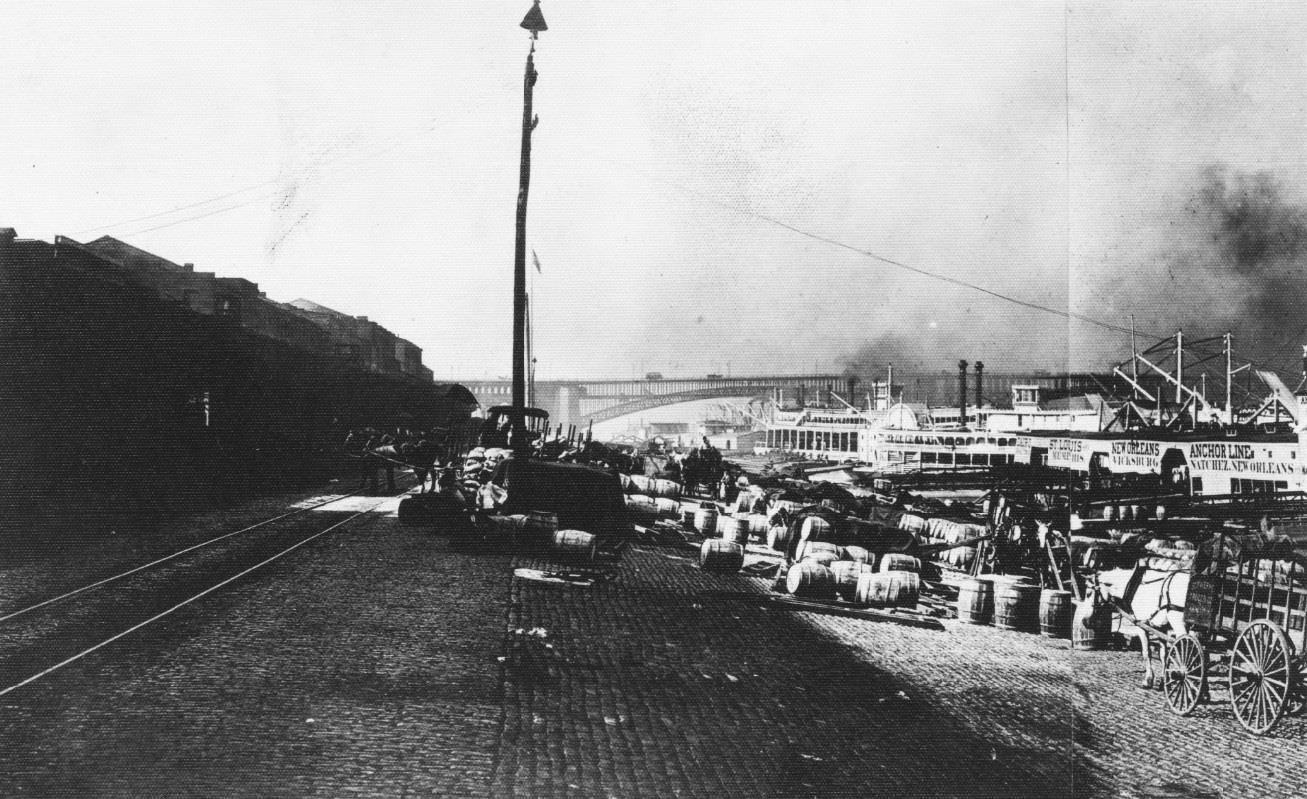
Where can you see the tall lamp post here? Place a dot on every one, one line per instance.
(534, 22)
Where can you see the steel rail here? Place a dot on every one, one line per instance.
(74, 658)
(99, 583)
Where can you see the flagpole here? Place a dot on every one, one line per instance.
(530, 334)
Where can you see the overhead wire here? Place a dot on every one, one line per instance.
(1066, 314)
(1063, 313)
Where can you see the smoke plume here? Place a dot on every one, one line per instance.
(1225, 251)
(1258, 240)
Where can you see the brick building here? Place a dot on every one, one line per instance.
(302, 323)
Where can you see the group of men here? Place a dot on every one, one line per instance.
(378, 452)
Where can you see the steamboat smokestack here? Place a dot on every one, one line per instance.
(962, 393)
(980, 378)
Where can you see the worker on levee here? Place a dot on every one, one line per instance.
(357, 446)
(423, 458)
(388, 454)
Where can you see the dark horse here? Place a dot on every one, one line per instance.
(425, 459)
(702, 467)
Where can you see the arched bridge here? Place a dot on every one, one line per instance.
(580, 402)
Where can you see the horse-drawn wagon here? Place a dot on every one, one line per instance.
(1245, 631)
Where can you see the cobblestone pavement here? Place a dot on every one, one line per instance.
(364, 664)
(376, 662)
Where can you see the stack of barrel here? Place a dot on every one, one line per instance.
(1015, 603)
(725, 553)
(945, 531)
(823, 570)
(649, 500)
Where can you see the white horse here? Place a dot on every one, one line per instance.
(1155, 599)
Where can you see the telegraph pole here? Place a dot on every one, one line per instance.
(534, 22)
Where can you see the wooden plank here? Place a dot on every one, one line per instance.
(908, 618)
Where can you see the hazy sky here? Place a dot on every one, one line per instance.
(365, 156)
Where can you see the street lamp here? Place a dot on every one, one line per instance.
(534, 21)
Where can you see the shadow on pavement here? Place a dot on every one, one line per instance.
(641, 688)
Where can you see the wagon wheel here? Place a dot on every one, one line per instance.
(1184, 674)
(1261, 675)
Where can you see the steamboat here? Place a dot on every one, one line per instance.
(1189, 447)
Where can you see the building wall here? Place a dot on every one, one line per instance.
(314, 328)
(107, 383)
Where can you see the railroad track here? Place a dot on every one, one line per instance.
(49, 635)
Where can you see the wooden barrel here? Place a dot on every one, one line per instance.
(1091, 626)
(964, 556)
(1055, 613)
(1124, 513)
(1109, 512)
(823, 557)
(758, 525)
(705, 520)
(1016, 607)
(859, 554)
(784, 504)
(574, 545)
(895, 562)
(949, 532)
(666, 488)
(1161, 512)
(734, 529)
(912, 523)
(807, 549)
(778, 537)
(815, 528)
(846, 574)
(810, 579)
(667, 508)
(975, 601)
(720, 555)
(888, 589)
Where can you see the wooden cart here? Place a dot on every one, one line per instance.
(1246, 619)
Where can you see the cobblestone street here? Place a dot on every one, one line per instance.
(376, 662)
